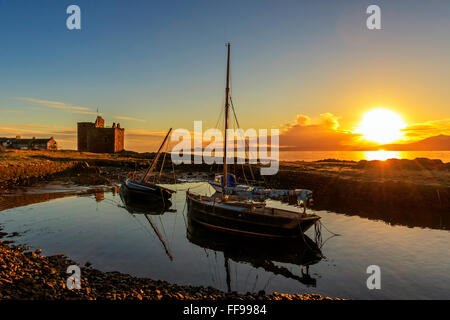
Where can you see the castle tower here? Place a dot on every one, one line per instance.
(82, 135)
(99, 122)
(94, 137)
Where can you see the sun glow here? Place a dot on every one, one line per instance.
(382, 155)
(381, 126)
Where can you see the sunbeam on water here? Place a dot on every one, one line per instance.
(382, 155)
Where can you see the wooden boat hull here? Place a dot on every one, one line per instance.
(231, 219)
(241, 248)
(144, 207)
(136, 191)
(260, 253)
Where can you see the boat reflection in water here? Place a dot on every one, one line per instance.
(148, 209)
(259, 252)
(144, 207)
(266, 253)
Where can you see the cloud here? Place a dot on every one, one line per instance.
(329, 121)
(323, 134)
(38, 126)
(54, 104)
(9, 131)
(129, 118)
(11, 111)
(419, 131)
(302, 120)
(88, 112)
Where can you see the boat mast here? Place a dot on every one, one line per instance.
(227, 106)
(155, 160)
(160, 237)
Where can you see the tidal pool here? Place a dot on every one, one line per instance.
(99, 228)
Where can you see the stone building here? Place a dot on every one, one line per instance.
(29, 144)
(94, 137)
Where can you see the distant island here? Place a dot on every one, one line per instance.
(437, 143)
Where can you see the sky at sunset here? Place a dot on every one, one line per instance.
(309, 68)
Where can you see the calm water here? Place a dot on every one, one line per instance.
(414, 262)
(362, 155)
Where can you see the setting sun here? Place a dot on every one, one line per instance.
(381, 126)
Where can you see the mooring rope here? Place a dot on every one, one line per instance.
(334, 234)
(245, 141)
(302, 234)
(318, 233)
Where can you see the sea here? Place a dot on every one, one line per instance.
(362, 155)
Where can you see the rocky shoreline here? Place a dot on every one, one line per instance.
(29, 275)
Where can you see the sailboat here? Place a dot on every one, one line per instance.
(141, 207)
(230, 186)
(245, 217)
(145, 191)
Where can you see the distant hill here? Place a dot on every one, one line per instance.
(437, 143)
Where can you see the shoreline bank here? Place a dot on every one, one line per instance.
(29, 275)
(418, 187)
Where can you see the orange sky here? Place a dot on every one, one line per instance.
(324, 132)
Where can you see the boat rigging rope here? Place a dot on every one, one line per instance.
(246, 155)
(334, 234)
(220, 117)
(173, 172)
(303, 235)
(182, 213)
(245, 141)
(318, 233)
(164, 159)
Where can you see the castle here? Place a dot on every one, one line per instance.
(94, 137)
